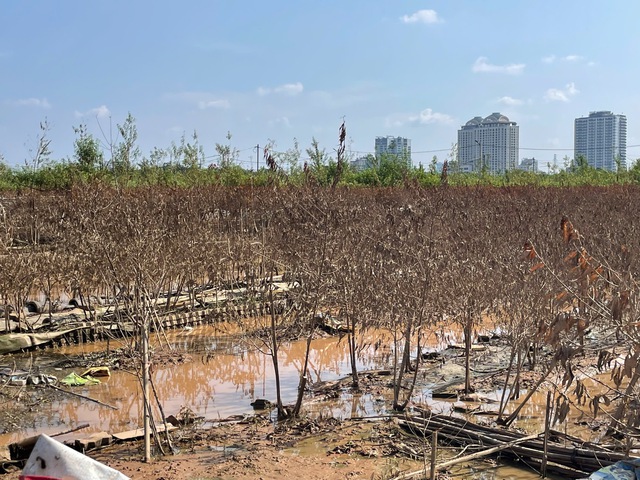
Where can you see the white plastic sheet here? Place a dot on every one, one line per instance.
(54, 459)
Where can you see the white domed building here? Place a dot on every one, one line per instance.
(488, 144)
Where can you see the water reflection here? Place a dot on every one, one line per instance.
(223, 378)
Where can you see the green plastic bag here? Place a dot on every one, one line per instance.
(75, 380)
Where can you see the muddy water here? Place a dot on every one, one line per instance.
(227, 374)
(223, 379)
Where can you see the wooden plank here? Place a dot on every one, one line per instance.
(139, 432)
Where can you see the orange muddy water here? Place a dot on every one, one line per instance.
(226, 375)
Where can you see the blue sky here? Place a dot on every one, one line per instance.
(278, 70)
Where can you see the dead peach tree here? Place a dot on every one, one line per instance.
(473, 224)
(590, 293)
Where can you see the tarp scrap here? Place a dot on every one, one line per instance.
(75, 380)
(622, 470)
(53, 459)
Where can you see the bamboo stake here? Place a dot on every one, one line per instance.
(461, 431)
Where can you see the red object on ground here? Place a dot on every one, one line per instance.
(36, 477)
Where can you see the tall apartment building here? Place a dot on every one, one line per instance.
(398, 146)
(490, 144)
(602, 139)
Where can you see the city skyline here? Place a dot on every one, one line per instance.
(417, 70)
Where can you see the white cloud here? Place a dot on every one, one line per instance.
(422, 16)
(426, 116)
(32, 102)
(280, 121)
(290, 89)
(201, 100)
(204, 104)
(429, 116)
(561, 95)
(573, 58)
(510, 101)
(556, 95)
(100, 112)
(482, 66)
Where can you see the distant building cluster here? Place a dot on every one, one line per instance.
(492, 144)
(399, 147)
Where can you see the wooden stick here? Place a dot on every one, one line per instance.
(434, 454)
(79, 427)
(547, 425)
(473, 456)
(84, 396)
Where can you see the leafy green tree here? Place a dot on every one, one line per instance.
(41, 154)
(433, 166)
(318, 160)
(290, 159)
(227, 155)
(126, 151)
(87, 150)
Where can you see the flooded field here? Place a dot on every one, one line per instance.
(223, 378)
(226, 374)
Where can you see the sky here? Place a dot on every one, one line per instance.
(287, 71)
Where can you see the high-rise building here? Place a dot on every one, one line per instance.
(398, 146)
(529, 165)
(361, 163)
(602, 139)
(488, 144)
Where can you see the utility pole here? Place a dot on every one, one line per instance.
(481, 157)
(257, 157)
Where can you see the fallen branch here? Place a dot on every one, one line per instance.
(79, 427)
(83, 396)
(467, 458)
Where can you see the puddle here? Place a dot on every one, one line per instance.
(224, 377)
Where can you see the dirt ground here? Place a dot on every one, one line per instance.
(255, 449)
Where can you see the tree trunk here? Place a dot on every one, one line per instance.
(404, 365)
(468, 327)
(274, 356)
(145, 389)
(503, 403)
(509, 420)
(303, 378)
(351, 338)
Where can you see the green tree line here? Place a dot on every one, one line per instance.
(120, 162)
